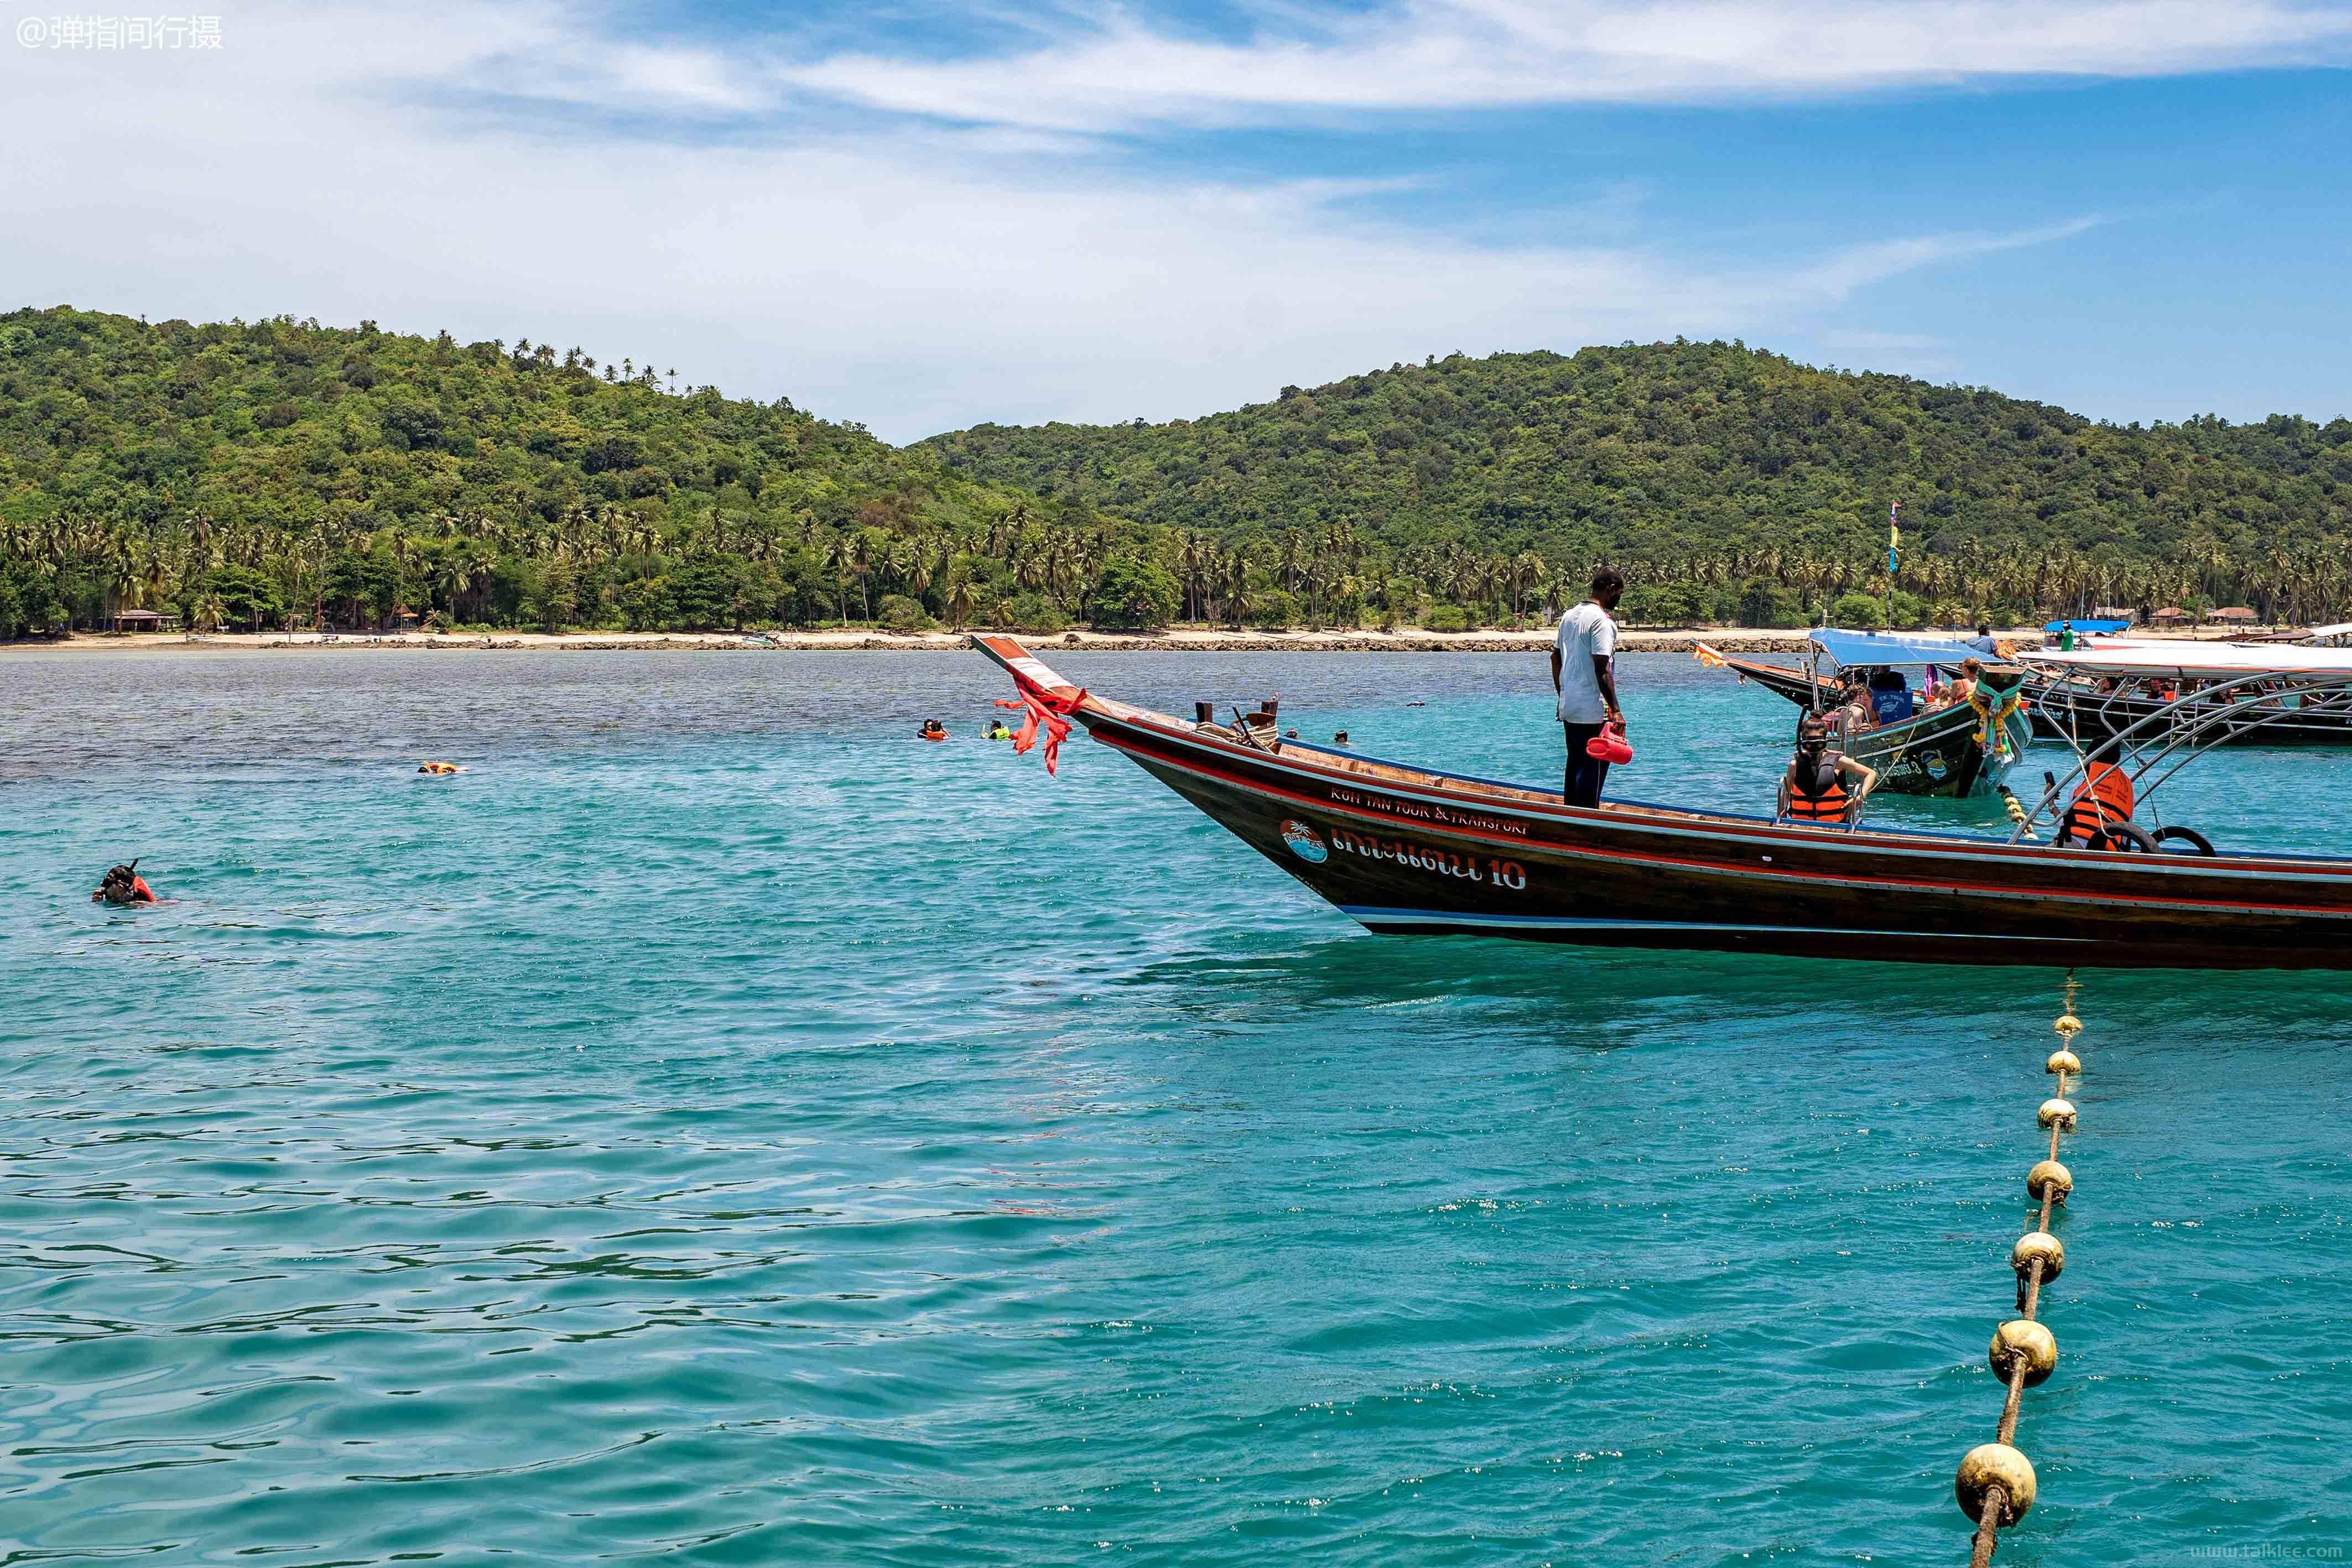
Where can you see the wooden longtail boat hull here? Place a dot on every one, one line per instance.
(1936, 754)
(1405, 851)
(1793, 685)
(2062, 713)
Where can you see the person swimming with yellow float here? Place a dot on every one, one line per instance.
(996, 731)
(439, 768)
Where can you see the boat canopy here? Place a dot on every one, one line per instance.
(2339, 632)
(2097, 628)
(1848, 648)
(2207, 661)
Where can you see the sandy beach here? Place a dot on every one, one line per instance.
(1408, 640)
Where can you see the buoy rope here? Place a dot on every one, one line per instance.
(1995, 1484)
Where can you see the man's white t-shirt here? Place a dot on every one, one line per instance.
(1586, 634)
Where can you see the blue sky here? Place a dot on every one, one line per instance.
(926, 216)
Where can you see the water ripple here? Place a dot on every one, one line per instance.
(719, 1126)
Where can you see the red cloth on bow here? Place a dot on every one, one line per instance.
(1045, 709)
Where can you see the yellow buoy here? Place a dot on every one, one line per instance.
(2042, 1246)
(2058, 1114)
(2023, 1339)
(2048, 1176)
(2062, 1061)
(1989, 1465)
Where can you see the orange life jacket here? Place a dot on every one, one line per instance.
(1817, 793)
(2105, 797)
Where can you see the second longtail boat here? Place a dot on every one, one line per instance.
(1956, 751)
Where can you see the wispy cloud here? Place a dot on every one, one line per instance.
(336, 161)
(1472, 54)
(1070, 70)
(1834, 278)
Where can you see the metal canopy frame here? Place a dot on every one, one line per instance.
(2189, 725)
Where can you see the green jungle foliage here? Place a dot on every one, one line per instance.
(1728, 484)
(279, 474)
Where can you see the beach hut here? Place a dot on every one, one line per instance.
(2171, 615)
(145, 620)
(2240, 614)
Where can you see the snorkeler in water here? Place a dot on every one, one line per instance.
(122, 884)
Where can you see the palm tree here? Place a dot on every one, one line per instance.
(959, 603)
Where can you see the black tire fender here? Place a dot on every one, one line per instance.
(2112, 834)
(2125, 835)
(2190, 836)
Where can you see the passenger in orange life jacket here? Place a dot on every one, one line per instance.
(2105, 796)
(1814, 789)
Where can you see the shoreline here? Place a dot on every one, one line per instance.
(1411, 640)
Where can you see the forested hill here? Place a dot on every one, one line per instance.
(280, 472)
(291, 423)
(1716, 459)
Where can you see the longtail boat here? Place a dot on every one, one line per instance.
(1413, 851)
(1955, 752)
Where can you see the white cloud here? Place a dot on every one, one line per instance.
(1834, 278)
(1474, 54)
(332, 163)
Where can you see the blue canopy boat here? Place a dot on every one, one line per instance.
(1957, 750)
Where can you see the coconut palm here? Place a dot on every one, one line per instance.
(959, 602)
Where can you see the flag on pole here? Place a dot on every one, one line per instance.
(1894, 533)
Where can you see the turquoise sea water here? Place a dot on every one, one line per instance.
(719, 1126)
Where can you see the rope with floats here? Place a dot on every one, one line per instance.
(2017, 814)
(1996, 1484)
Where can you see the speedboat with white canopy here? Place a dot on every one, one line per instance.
(2154, 708)
(2257, 694)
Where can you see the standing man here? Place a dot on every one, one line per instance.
(1582, 674)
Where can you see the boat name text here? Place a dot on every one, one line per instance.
(1445, 862)
(1428, 812)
